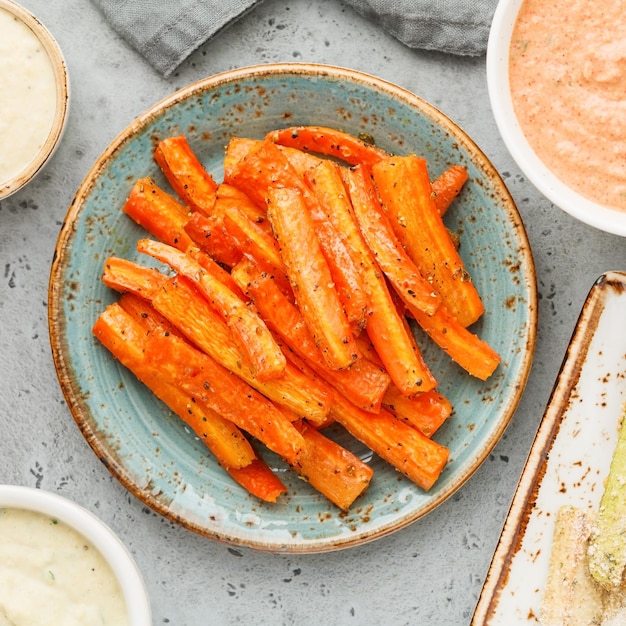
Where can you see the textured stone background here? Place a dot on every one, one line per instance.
(428, 573)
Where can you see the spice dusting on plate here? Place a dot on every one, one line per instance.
(571, 594)
(27, 96)
(607, 548)
(568, 84)
(586, 572)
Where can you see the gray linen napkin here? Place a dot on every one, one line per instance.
(166, 33)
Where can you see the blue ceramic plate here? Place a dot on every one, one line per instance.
(147, 448)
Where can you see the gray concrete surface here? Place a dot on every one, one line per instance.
(428, 573)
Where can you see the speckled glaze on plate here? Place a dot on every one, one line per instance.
(149, 450)
(569, 459)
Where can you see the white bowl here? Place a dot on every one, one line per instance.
(583, 209)
(94, 531)
(38, 152)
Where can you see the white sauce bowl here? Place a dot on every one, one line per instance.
(583, 209)
(32, 159)
(95, 532)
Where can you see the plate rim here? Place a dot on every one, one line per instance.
(55, 290)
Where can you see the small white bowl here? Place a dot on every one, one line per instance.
(37, 155)
(95, 532)
(583, 209)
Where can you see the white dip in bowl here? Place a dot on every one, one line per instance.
(59, 564)
(34, 96)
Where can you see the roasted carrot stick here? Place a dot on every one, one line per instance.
(189, 311)
(236, 150)
(186, 174)
(364, 383)
(127, 339)
(254, 242)
(228, 196)
(406, 193)
(334, 471)
(259, 480)
(265, 166)
(425, 411)
(394, 341)
(464, 347)
(329, 142)
(209, 234)
(158, 212)
(251, 333)
(126, 276)
(447, 186)
(310, 277)
(180, 302)
(388, 251)
(327, 185)
(388, 331)
(208, 382)
(419, 458)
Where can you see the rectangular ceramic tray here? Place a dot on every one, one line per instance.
(569, 459)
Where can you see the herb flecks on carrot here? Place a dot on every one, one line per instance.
(335, 472)
(392, 258)
(310, 277)
(127, 341)
(248, 329)
(448, 185)
(286, 308)
(406, 192)
(186, 174)
(329, 142)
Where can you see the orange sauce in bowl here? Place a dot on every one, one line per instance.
(567, 72)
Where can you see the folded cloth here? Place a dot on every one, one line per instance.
(454, 26)
(166, 33)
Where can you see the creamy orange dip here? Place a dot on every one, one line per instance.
(568, 84)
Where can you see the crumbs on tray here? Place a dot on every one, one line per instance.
(585, 583)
